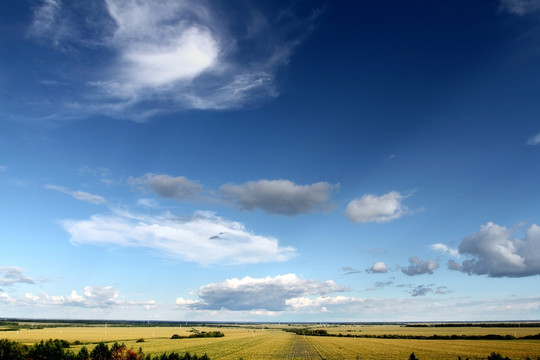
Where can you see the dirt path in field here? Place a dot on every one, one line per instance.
(302, 349)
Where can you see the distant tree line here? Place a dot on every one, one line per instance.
(321, 332)
(482, 325)
(59, 350)
(202, 334)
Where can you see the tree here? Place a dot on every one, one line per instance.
(101, 352)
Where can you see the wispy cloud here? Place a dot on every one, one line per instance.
(350, 270)
(169, 55)
(520, 7)
(203, 238)
(496, 252)
(269, 293)
(3, 168)
(373, 208)
(77, 194)
(535, 140)
(279, 196)
(10, 275)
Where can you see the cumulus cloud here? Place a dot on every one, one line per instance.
(373, 208)
(203, 238)
(77, 194)
(166, 186)
(10, 275)
(496, 252)
(168, 55)
(269, 293)
(535, 140)
(378, 267)
(421, 290)
(279, 196)
(520, 7)
(91, 297)
(420, 267)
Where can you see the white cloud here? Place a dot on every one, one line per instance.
(10, 275)
(378, 267)
(3, 168)
(168, 55)
(494, 251)
(535, 140)
(91, 297)
(269, 293)
(420, 267)
(45, 18)
(279, 196)
(202, 238)
(520, 7)
(166, 186)
(380, 209)
(77, 194)
(446, 249)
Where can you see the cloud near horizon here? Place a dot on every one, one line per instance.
(202, 238)
(495, 251)
(373, 208)
(270, 293)
(103, 297)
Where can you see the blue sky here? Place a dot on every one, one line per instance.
(269, 161)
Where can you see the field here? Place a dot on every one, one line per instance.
(251, 342)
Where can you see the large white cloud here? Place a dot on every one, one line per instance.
(202, 238)
(167, 186)
(269, 293)
(10, 275)
(375, 208)
(496, 252)
(279, 196)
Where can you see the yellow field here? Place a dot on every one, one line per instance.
(255, 343)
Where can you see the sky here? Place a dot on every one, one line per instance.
(276, 161)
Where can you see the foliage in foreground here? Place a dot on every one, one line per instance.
(58, 350)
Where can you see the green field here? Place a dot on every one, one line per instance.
(271, 342)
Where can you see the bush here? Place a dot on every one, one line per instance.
(140, 340)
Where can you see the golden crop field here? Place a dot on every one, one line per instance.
(256, 343)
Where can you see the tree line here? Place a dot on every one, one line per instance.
(322, 332)
(59, 350)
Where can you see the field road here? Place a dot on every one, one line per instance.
(303, 349)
